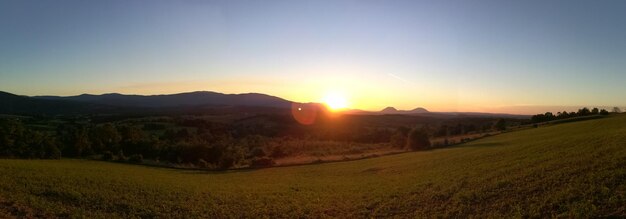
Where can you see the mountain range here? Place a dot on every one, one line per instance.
(190, 99)
(191, 102)
(392, 110)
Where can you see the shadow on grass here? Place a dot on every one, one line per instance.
(482, 145)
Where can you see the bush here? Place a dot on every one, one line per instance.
(418, 140)
(278, 152)
(107, 155)
(500, 125)
(202, 163)
(262, 162)
(52, 152)
(257, 152)
(226, 162)
(604, 112)
(136, 158)
(120, 156)
(398, 140)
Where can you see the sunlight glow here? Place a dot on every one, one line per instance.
(335, 100)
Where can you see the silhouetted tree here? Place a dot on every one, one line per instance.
(105, 138)
(604, 112)
(595, 111)
(418, 139)
(583, 112)
(617, 110)
(500, 125)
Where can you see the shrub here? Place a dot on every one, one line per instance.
(278, 152)
(120, 156)
(107, 155)
(52, 152)
(262, 162)
(136, 158)
(500, 125)
(202, 163)
(226, 162)
(257, 152)
(398, 140)
(418, 139)
(604, 112)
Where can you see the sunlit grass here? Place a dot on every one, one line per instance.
(574, 169)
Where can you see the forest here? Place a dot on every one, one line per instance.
(224, 142)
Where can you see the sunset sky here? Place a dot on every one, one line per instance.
(493, 56)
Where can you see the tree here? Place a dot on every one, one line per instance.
(583, 112)
(604, 112)
(50, 149)
(617, 110)
(500, 125)
(418, 139)
(76, 141)
(105, 138)
(595, 111)
(131, 140)
(398, 140)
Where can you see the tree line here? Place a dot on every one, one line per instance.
(200, 142)
(549, 116)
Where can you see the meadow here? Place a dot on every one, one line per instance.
(573, 169)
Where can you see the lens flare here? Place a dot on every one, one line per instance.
(304, 114)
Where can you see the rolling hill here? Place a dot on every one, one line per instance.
(198, 98)
(15, 104)
(566, 170)
(183, 103)
(392, 110)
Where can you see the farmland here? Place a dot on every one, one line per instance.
(569, 170)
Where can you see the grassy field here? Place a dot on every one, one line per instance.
(567, 170)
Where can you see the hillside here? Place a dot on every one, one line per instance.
(198, 98)
(15, 104)
(566, 170)
(392, 110)
(183, 103)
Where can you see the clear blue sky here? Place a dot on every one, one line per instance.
(442, 55)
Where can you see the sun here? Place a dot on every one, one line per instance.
(335, 101)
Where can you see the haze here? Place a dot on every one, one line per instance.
(490, 56)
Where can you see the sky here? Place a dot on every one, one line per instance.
(490, 56)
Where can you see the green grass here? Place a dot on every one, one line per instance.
(567, 170)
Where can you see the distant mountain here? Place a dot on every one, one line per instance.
(389, 110)
(392, 110)
(183, 103)
(15, 104)
(419, 110)
(424, 112)
(187, 103)
(191, 99)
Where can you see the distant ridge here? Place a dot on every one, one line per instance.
(182, 103)
(389, 110)
(15, 104)
(392, 110)
(197, 98)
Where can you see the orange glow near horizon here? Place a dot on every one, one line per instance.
(335, 100)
